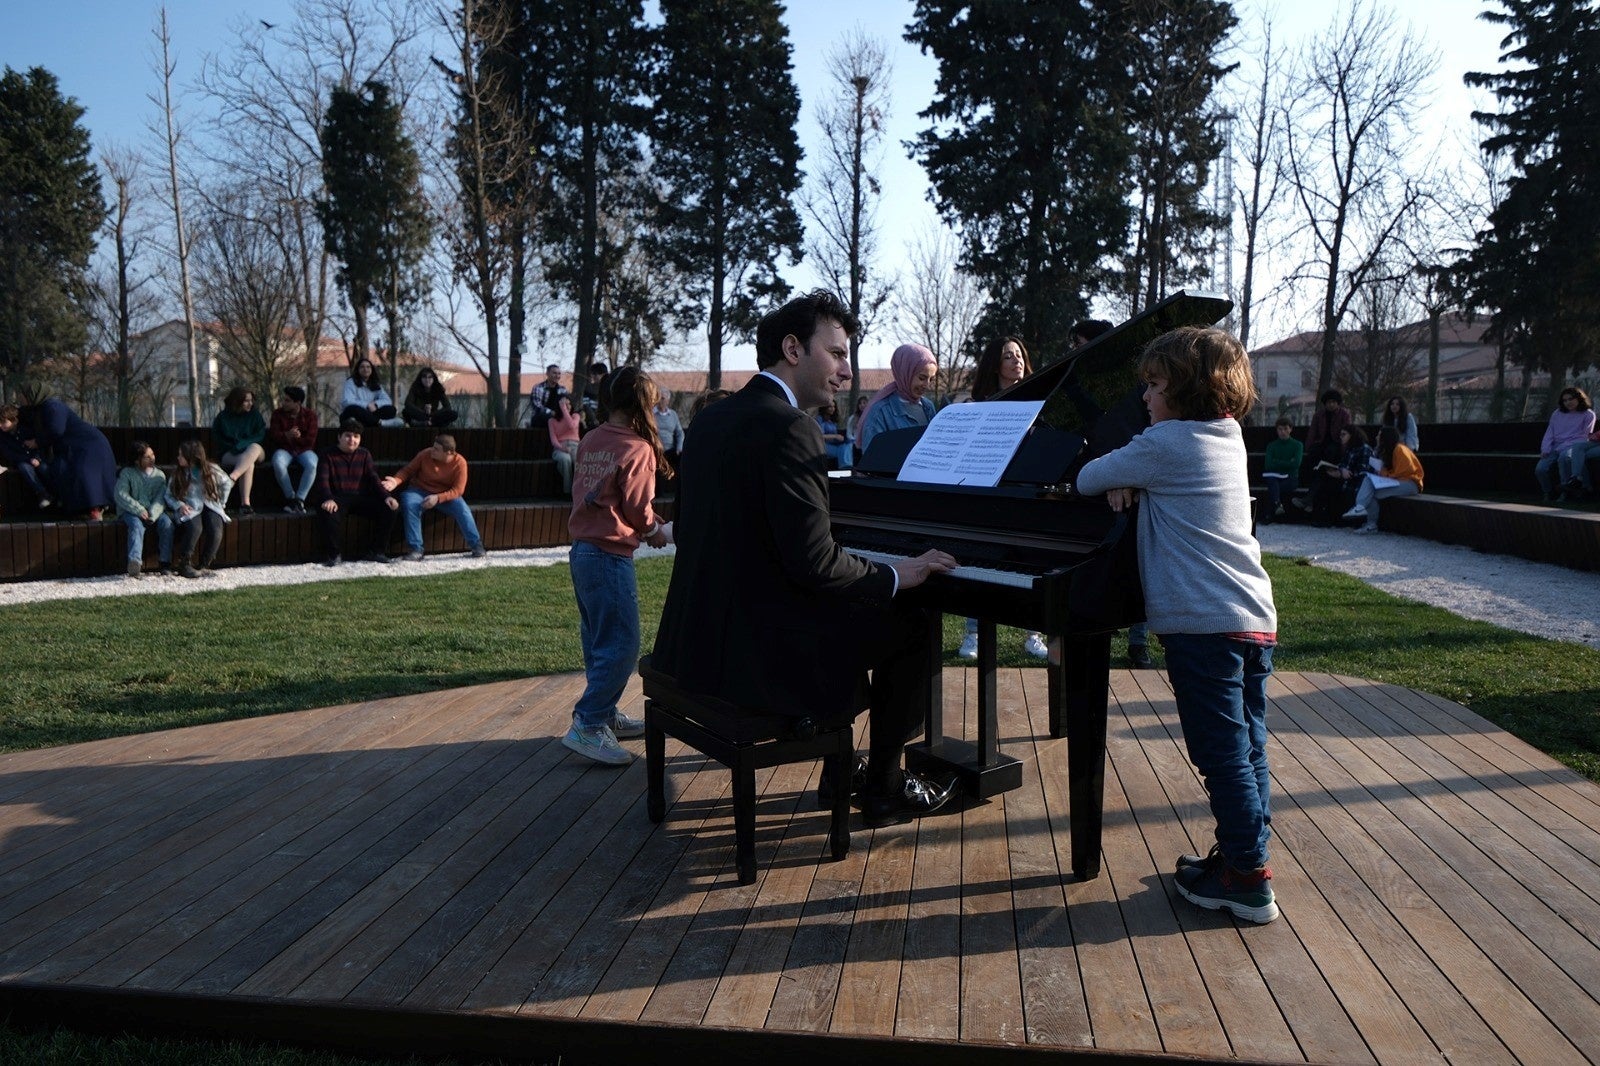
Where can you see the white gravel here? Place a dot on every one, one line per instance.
(1537, 598)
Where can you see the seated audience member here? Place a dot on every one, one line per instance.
(293, 433)
(364, 398)
(427, 406)
(347, 483)
(562, 425)
(1281, 469)
(903, 402)
(592, 409)
(669, 425)
(1334, 491)
(853, 426)
(1571, 423)
(141, 494)
(15, 454)
(435, 480)
(1579, 483)
(195, 498)
(1398, 415)
(1322, 439)
(542, 397)
(1399, 464)
(236, 436)
(834, 441)
(77, 462)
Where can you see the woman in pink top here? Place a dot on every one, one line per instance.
(612, 487)
(564, 432)
(1571, 423)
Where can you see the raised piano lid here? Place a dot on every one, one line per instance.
(1091, 397)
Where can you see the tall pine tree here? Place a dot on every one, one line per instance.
(1537, 264)
(728, 158)
(50, 209)
(1027, 149)
(374, 221)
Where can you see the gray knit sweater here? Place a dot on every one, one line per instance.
(1200, 566)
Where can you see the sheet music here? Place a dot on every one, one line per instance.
(970, 443)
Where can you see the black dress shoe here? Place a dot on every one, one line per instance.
(915, 796)
(1139, 657)
(858, 781)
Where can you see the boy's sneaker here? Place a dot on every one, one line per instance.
(969, 646)
(1035, 646)
(624, 726)
(1216, 886)
(1201, 860)
(598, 744)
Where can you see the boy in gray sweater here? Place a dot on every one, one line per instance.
(1206, 595)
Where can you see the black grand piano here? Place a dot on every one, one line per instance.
(1034, 554)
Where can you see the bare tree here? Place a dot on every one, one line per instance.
(1350, 110)
(269, 92)
(125, 299)
(180, 244)
(1261, 114)
(940, 305)
(1379, 358)
(842, 201)
(246, 287)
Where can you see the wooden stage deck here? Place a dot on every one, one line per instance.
(436, 873)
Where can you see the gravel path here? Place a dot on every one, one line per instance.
(1537, 598)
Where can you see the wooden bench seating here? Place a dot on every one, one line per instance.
(744, 742)
(1532, 531)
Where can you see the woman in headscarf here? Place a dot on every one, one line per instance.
(903, 402)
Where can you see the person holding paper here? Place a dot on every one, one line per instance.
(903, 402)
(1336, 485)
(1400, 475)
(767, 611)
(1281, 468)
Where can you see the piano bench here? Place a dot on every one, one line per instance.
(744, 741)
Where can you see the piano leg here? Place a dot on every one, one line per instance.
(1079, 687)
(980, 768)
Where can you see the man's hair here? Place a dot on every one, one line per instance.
(1207, 372)
(1284, 420)
(136, 450)
(1090, 328)
(295, 393)
(445, 441)
(798, 319)
(1332, 396)
(350, 425)
(553, 366)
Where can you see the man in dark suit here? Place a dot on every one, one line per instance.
(765, 610)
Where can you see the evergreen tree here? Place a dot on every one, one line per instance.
(50, 210)
(728, 158)
(373, 217)
(1027, 150)
(1537, 264)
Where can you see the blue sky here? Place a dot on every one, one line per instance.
(101, 50)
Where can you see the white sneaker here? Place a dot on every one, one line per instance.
(969, 646)
(598, 744)
(1357, 511)
(624, 726)
(1365, 529)
(1035, 646)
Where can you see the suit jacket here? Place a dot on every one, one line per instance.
(759, 609)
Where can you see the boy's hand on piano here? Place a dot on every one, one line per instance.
(913, 572)
(1121, 499)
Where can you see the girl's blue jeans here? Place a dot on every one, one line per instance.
(1221, 689)
(608, 625)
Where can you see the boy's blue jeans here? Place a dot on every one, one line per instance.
(411, 518)
(608, 625)
(1221, 688)
(136, 528)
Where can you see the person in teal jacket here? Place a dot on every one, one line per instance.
(236, 436)
(1281, 469)
(141, 505)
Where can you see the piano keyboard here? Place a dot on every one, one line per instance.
(982, 574)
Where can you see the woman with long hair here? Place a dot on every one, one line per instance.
(195, 497)
(1398, 415)
(364, 398)
(565, 429)
(612, 488)
(236, 434)
(427, 405)
(1571, 423)
(1398, 464)
(853, 426)
(1337, 483)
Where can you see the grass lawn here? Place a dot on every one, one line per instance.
(85, 669)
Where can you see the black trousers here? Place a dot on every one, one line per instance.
(204, 530)
(366, 417)
(372, 507)
(894, 644)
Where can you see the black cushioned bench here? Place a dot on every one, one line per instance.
(744, 741)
